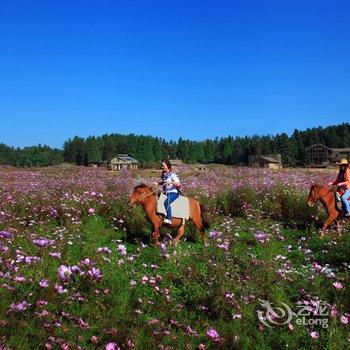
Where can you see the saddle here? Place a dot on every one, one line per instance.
(180, 208)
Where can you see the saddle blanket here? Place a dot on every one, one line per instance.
(180, 208)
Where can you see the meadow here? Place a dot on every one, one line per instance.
(78, 269)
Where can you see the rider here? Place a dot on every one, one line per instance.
(171, 187)
(343, 181)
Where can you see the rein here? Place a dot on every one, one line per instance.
(150, 194)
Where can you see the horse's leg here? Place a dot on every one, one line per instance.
(197, 220)
(180, 233)
(332, 216)
(156, 234)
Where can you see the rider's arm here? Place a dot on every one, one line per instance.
(346, 181)
(175, 180)
(333, 183)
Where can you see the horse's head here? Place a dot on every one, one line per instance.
(314, 194)
(140, 193)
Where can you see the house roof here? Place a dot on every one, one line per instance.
(269, 159)
(123, 159)
(345, 149)
(319, 144)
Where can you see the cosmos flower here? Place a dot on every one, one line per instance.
(314, 335)
(213, 234)
(6, 234)
(344, 319)
(60, 289)
(112, 346)
(43, 283)
(121, 249)
(95, 273)
(19, 307)
(337, 285)
(213, 334)
(64, 273)
(43, 242)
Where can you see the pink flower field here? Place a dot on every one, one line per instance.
(78, 269)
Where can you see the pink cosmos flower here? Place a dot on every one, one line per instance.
(93, 339)
(83, 324)
(60, 289)
(314, 335)
(41, 303)
(130, 343)
(334, 311)
(19, 307)
(112, 346)
(55, 255)
(6, 234)
(64, 273)
(213, 334)
(95, 273)
(337, 285)
(86, 262)
(105, 250)
(133, 283)
(44, 283)
(213, 234)
(344, 319)
(91, 210)
(262, 237)
(121, 249)
(43, 242)
(19, 279)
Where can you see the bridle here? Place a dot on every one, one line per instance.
(321, 197)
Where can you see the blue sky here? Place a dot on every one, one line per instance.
(191, 69)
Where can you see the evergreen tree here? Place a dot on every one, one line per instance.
(93, 153)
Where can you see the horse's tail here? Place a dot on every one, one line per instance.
(205, 221)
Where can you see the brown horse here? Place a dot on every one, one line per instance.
(326, 196)
(145, 196)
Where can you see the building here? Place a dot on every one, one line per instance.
(123, 161)
(319, 155)
(271, 161)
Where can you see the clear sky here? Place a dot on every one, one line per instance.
(195, 69)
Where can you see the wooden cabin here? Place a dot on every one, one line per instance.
(123, 161)
(271, 161)
(319, 155)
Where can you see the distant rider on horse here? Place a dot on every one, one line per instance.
(171, 187)
(343, 182)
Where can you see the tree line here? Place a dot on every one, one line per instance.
(149, 150)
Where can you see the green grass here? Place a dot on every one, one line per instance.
(190, 289)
